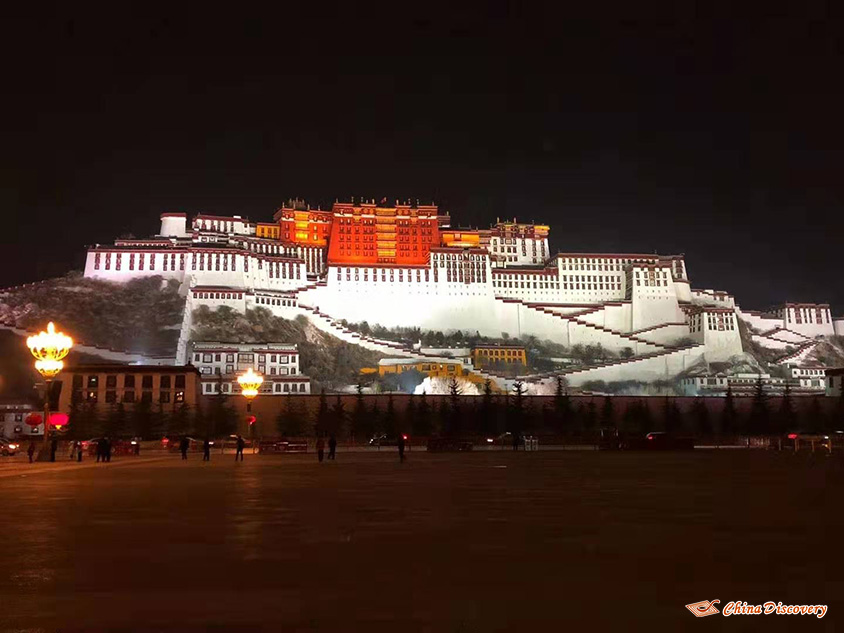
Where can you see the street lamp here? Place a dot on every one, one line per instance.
(49, 348)
(250, 382)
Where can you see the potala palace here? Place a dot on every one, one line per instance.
(405, 265)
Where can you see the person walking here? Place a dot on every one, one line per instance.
(78, 450)
(401, 448)
(100, 450)
(241, 444)
(332, 447)
(31, 451)
(320, 448)
(54, 446)
(206, 450)
(108, 449)
(183, 447)
(516, 441)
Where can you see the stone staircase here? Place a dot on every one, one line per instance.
(639, 345)
(799, 354)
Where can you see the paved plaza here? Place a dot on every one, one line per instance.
(454, 542)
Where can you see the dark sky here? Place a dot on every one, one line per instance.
(719, 137)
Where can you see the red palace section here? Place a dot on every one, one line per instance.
(368, 233)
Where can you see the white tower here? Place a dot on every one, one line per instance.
(174, 224)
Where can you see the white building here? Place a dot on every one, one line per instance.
(835, 382)
(220, 364)
(13, 421)
(498, 281)
(743, 384)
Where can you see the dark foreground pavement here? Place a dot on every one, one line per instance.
(463, 542)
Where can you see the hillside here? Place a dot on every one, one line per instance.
(330, 362)
(142, 315)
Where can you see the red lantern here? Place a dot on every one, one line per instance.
(33, 419)
(58, 420)
(251, 419)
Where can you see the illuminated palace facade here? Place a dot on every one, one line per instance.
(406, 265)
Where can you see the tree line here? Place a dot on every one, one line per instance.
(488, 415)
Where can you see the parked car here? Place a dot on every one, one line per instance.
(282, 446)
(388, 440)
(657, 441)
(449, 445)
(798, 440)
(8, 448)
(173, 442)
(505, 440)
(118, 446)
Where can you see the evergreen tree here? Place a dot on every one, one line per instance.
(453, 422)
(409, 422)
(292, 420)
(700, 417)
(758, 420)
(589, 416)
(670, 416)
(79, 427)
(337, 417)
(423, 418)
(607, 413)
(119, 423)
(488, 411)
(140, 422)
(180, 421)
(390, 422)
(361, 421)
(323, 417)
(516, 410)
(630, 418)
(375, 421)
(441, 418)
(222, 419)
(159, 421)
(815, 418)
(785, 415)
(562, 407)
(729, 416)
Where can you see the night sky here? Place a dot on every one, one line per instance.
(718, 138)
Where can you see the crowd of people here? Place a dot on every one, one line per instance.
(104, 447)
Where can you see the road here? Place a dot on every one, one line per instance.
(455, 542)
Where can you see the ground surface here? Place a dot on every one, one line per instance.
(461, 542)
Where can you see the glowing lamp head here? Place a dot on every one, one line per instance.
(49, 348)
(59, 420)
(250, 382)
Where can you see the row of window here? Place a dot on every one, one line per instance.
(242, 357)
(401, 271)
(104, 260)
(276, 387)
(147, 381)
(550, 285)
(164, 397)
(218, 295)
(229, 369)
(270, 301)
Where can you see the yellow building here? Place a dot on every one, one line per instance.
(431, 368)
(105, 386)
(267, 230)
(485, 355)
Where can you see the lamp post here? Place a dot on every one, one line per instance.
(49, 348)
(250, 382)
